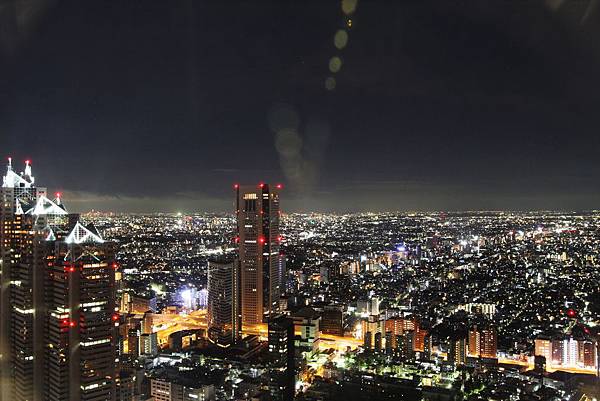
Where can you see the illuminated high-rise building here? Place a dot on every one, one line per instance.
(282, 350)
(543, 347)
(57, 334)
(81, 325)
(568, 352)
(261, 264)
(22, 215)
(457, 352)
(474, 342)
(223, 301)
(488, 343)
(483, 342)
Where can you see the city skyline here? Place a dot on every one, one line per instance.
(179, 307)
(283, 200)
(82, 201)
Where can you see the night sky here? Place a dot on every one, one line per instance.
(143, 105)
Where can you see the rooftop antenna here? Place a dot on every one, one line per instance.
(9, 163)
(28, 168)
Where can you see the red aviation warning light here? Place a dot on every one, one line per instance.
(261, 185)
(70, 323)
(236, 186)
(261, 240)
(279, 186)
(571, 313)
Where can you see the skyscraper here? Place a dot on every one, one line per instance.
(223, 301)
(261, 264)
(80, 331)
(21, 275)
(57, 331)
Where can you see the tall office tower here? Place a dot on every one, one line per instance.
(32, 228)
(223, 308)
(19, 213)
(81, 326)
(261, 264)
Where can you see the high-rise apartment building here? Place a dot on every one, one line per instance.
(457, 350)
(488, 343)
(261, 264)
(57, 332)
(474, 342)
(483, 342)
(568, 352)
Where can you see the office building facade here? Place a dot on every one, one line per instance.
(261, 264)
(57, 334)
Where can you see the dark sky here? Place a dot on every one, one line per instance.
(154, 105)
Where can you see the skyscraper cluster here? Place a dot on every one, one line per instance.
(58, 326)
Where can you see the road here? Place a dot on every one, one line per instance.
(172, 323)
